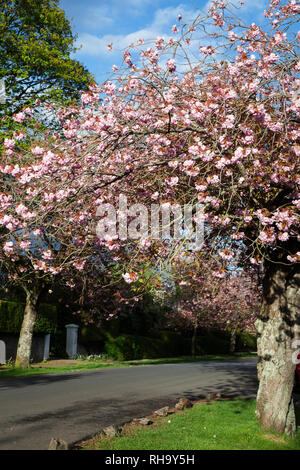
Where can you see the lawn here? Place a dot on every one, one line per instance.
(80, 365)
(219, 425)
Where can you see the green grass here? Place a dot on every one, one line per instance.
(177, 360)
(10, 371)
(221, 425)
(19, 372)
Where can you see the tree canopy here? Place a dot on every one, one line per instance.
(36, 43)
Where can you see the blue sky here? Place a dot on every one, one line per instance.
(100, 22)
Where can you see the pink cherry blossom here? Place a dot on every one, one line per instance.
(19, 117)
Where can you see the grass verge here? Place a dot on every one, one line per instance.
(44, 368)
(219, 425)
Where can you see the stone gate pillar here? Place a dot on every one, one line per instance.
(2, 352)
(46, 347)
(71, 342)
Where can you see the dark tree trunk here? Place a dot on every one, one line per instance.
(232, 340)
(278, 326)
(194, 340)
(26, 333)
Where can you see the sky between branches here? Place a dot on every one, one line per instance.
(121, 22)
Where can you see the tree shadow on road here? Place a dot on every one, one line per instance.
(42, 379)
(238, 381)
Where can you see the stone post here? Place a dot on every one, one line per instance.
(2, 352)
(46, 347)
(71, 343)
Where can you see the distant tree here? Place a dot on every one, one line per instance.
(43, 238)
(36, 42)
(228, 303)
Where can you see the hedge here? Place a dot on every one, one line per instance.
(171, 344)
(92, 338)
(211, 344)
(130, 347)
(11, 317)
(175, 343)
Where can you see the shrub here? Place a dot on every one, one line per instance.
(131, 347)
(58, 345)
(90, 334)
(245, 342)
(11, 317)
(212, 342)
(175, 344)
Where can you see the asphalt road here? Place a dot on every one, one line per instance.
(77, 405)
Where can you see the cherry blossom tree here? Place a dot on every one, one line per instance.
(48, 217)
(237, 304)
(203, 300)
(209, 116)
(217, 126)
(46, 229)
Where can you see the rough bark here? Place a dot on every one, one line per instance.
(26, 333)
(278, 326)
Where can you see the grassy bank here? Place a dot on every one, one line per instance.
(46, 368)
(220, 425)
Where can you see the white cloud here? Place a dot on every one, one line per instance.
(90, 45)
(95, 46)
(247, 4)
(163, 20)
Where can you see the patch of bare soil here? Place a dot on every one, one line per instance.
(124, 429)
(60, 363)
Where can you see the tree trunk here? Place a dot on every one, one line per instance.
(278, 326)
(26, 333)
(194, 339)
(232, 341)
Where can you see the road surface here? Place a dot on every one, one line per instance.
(77, 405)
